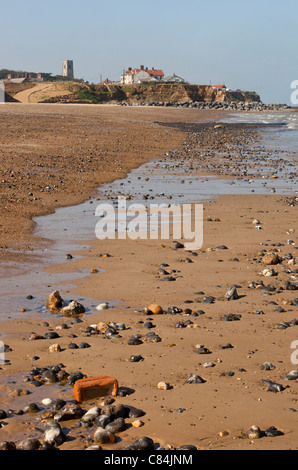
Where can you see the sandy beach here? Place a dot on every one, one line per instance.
(55, 156)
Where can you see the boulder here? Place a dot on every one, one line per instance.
(73, 309)
(270, 259)
(55, 301)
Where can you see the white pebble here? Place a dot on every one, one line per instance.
(102, 306)
(47, 401)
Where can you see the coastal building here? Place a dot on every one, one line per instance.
(23, 77)
(174, 79)
(219, 87)
(140, 75)
(67, 69)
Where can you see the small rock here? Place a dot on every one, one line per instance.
(31, 408)
(273, 432)
(54, 348)
(232, 294)
(163, 386)
(138, 423)
(47, 401)
(269, 272)
(293, 375)
(91, 415)
(30, 444)
(118, 425)
(195, 379)
(101, 421)
(273, 387)
(103, 306)
(254, 433)
(268, 366)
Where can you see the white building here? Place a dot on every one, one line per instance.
(141, 75)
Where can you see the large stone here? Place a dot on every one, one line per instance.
(232, 294)
(114, 411)
(270, 259)
(53, 433)
(155, 309)
(73, 309)
(55, 301)
(91, 415)
(101, 436)
(70, 411)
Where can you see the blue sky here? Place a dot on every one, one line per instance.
(247, 45)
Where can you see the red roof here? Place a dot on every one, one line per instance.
(151, 72)
(219, 86)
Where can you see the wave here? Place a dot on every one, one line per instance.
(289, 121)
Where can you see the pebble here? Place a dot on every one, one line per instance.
(101, 436)
(73, 309)
(254, 433)
(69, 411)
(293, 375)
(273, 387)
(54, 348)
(55, 301)
(268, 366)
(195, 379)
(232, 317)
(138, 358)
(155, 309)
(187, 447)
(132, 412)
(31, 408)
(54, 434)
(91, 415)
(30, 444)
(163, 386)
(101, 421)
(7, 445)
(271, 258)
(203, 350)
(135, 340)
(232, 294)
(118, 425)
(208, 365)
(138, 423)
(103, 306)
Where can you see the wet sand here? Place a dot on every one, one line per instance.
(58, 155)
(233, 398)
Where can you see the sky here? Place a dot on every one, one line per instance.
(248, 45)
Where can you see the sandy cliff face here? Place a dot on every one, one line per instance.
(179, 92)
(134, 94)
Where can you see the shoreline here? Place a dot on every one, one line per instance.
(131, 131)
(131, 272)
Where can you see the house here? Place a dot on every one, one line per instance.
(140, 75)
(174, 79)
(218, 88)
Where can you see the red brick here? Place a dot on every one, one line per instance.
(93, 387)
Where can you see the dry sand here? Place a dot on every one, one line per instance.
(224, 404)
